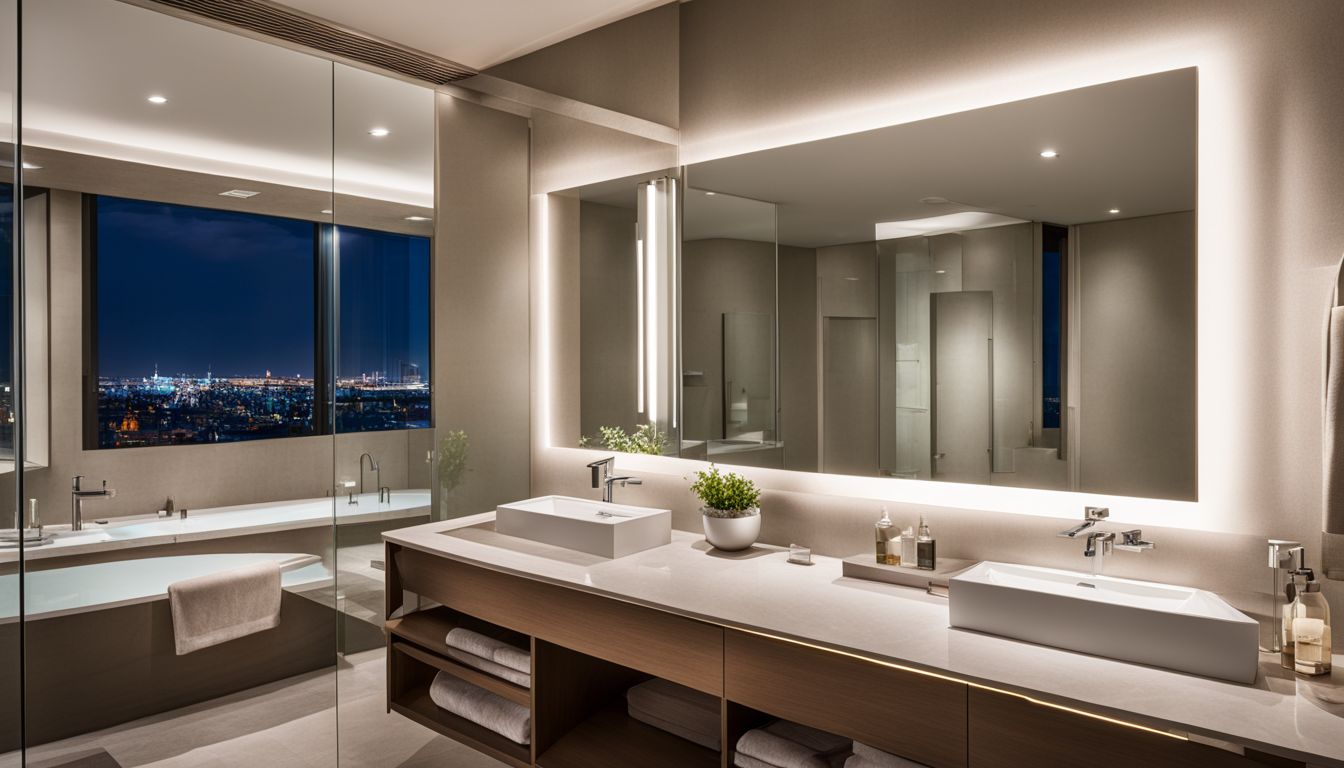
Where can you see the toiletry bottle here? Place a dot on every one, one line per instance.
(883, 533)
(1310, 617)
(909, 558)
(926, 555)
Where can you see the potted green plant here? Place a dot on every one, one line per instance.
(730, 505)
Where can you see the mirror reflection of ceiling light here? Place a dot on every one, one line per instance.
(1114, 210)
(1049, 154)
(940, 271)
(242, 193)
(937, 225)
(326, 211)
(417, 218)
(378, 133)
(157, 99)
(31, 167)
(710, 194)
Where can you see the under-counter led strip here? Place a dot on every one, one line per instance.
(949, 678)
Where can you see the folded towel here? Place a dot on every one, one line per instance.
(489, 648)
(709, 741)
(491, 668)
(512, 721)
(687, 709)
(784, 744)
(872, 757)
(742, 761)
(218, 607)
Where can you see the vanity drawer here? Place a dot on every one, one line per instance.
(916, 716)
(671, 647)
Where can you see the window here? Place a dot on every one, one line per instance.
(1054, 249)
(382, 360)
(205, 327)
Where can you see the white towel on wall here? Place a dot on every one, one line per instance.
(1333, 411)
(218, 607)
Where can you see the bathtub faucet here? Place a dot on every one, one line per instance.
(77, 497)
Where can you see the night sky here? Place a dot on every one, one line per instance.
(193, 289)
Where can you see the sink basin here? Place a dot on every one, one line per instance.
(595, 527)
(1179, 628)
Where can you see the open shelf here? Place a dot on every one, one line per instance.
(503, 688)
(428, 628)
(418, 707)
(610, 738)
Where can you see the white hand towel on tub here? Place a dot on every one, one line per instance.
(490, 649)
(490, 668)
(512, 721)
(872, 757)
(785, 744)
(219, 607)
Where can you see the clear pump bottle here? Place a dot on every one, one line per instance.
(1306, 627)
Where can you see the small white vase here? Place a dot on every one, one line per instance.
(732, 534)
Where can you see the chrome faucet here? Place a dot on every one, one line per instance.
(1102, 543)
(77, 498)
(604, 479)
(383, 492)
(1091, 516)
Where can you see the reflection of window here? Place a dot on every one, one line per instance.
(1054, 245)
(204, 327)
(382, 360)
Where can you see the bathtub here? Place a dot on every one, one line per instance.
(100, 586)
(221, 522)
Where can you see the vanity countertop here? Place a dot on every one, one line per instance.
(759, 591)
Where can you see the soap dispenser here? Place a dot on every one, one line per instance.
(909, 550)
(1306, 642)
(883, 534)
(926, 555)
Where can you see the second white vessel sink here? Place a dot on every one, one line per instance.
(1179, 628)
(596, 527)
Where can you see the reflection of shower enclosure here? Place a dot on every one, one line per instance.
(962, 400)
(850, 398)
(748, 376)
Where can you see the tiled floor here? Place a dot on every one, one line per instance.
(289, 724)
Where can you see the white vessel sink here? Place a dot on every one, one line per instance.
(595, 527)
(1157, 624)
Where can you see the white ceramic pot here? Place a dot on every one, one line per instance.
(731, 534)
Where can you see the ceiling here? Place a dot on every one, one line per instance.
(237, 108)
(477, 34)
(1128, 145)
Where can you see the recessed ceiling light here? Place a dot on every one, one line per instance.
(417, 218)
(1049, 154)
(1114, 210)
(933, 200)
(378, 132)
(31, 167)
(243, 193)
(711, 194)
(326, 211)
(940, 271)
(157, 99)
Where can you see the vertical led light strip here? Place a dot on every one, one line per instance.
(651, 299)
(674, 310)
(640, 361)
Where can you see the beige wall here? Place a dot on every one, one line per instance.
(1137, 397)
(1271, 175)
(608, 328)
(481, 285)
(798, 357)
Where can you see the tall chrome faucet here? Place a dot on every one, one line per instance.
(378, 477)
(77, 497)
(604, 479)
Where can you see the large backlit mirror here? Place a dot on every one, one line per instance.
(1005, 296)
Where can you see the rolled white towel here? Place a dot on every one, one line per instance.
(512, 721)
(872, 757)
(785, 744)
(489, 648)
(490, 668)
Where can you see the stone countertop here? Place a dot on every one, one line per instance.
(759, 590)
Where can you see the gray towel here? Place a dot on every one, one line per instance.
(485, 647)
(872, 757)
(219, 607)
(1333, 429)
(491, 668)
(689, 710)
(512, 721)
(784, 744)
(709, 741)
